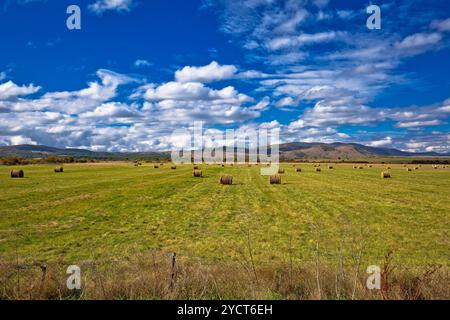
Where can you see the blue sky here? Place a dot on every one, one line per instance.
(137, 70)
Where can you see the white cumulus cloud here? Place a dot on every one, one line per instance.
(101, 6)
(209, 73)
(381, 143)
(10, 90)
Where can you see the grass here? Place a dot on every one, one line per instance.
(151, 275)
(107, 211)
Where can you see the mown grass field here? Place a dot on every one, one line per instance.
(114, 210)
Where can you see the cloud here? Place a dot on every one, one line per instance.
(322, 15)
(321, 3)
(316, 84)
(347, 111)
(336, 113)
(291, 23)
(441, 25)
(188, 111)
(84, 99)
(251, 74)
(112, 110)
(186, 102)
(2, 76)
(71, 102)
(286, 58)
(262, 105)
(419, 42)
(301, 40)
(194, 91)
(209, 73)
(381, 143)
(387, 50)
(142, 63)
(9, 90)
(445, 108)
(256, 26)
(435, 141)
(16, 140)
(346, 14)
(259, 20)
(100, 6)
(286, 102)
(339, 79)
(417, 124)
(325, 135)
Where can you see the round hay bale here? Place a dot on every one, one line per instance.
(280, 171)
(198, 173)
(223, 166)
(17, 174)
(228, 180)
(416, 168)
(275, 179)
(408, 169)
(318, 170)
(355, 167)
(298, 170)
(385, 174)
(173, 167)
(389, 168)
(330, 167)
(156, 166)
(59, 169)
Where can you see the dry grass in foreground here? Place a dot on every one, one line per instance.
(155, 275)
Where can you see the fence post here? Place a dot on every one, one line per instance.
(173, 271)
(43, 267)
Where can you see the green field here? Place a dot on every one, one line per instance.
(114, 210)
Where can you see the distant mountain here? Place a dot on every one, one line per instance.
(338, 150)
(39, 151)
(288, 151)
